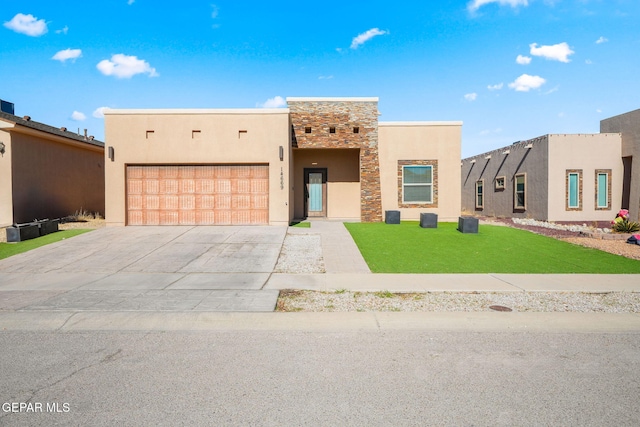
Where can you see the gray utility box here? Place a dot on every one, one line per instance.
(392, 217)
(48, 226)
(31, 230)
(468, 224)
(428, 220)
(21, 232)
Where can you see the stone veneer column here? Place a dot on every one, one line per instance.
(343, 114)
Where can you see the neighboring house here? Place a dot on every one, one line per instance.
(47, 172)
(628, 125)
(321, 157)
(572, 178)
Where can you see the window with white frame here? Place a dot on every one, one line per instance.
(480, 194)
(519, 192)
(573, 190)
(417, 184)
(603, 189)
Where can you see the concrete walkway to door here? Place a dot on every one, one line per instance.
(339, 251)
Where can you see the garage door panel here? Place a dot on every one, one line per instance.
(151, 202)
(198, 194)
(169, 186)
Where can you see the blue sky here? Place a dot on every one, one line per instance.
(509, 69)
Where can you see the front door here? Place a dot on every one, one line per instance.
(315, 188)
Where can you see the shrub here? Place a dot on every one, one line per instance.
(621, 223)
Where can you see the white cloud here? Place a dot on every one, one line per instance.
(360, 39)
(78, 116)
(325, 77)
(558, 52)
(523, 60)
(496, 86)
(489, 131)
(27, 24)
(561, 114)
(214, 11)
(275, 102)
(471, 96)
(125, 66)
(602, 40)
(64, 30)
(598, 111)
(98, 113)
(130, 2)
(66, 54)
(477, 4)
(588, 61)
(525, 83)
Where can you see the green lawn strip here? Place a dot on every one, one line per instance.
(10, 249)
(407, 248)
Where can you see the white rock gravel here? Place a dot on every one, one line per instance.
(312, 301)
(551, 225)
(300, 254)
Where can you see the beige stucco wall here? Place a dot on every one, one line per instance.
(6, 192)
(343, 180)
(220, 141)
(629, 125)
(439, 141)
(586, 152)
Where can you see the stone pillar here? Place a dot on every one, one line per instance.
(340, 123)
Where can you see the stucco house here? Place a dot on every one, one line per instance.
(558, 177)
(45, 171)
(320, 157)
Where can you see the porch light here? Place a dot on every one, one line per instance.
(281, 152)
(112, 153)
(2, 146)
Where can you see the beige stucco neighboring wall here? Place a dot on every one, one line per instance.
(191, 137)
(48, 176)
(6, 192)
(421, 141)
(586, 153)
(343, 180)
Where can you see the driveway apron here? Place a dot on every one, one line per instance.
(168, 268)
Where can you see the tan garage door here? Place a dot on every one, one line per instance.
(198, 195)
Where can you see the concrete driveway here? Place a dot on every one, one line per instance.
(154, 268)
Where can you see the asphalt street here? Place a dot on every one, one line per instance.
(293, 378)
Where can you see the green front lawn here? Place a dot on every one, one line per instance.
(10, 249)
(407, 248)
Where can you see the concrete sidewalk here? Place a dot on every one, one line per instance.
(457, 282)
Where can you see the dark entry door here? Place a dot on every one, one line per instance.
(315, 188)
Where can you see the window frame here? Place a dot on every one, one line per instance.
(480, 195)
(573, 187)
(607, 174)
(579, 190)
(522, 207)
(502, 186)
(430, 185)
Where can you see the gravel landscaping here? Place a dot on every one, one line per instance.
(312, 301)
(300, 254)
